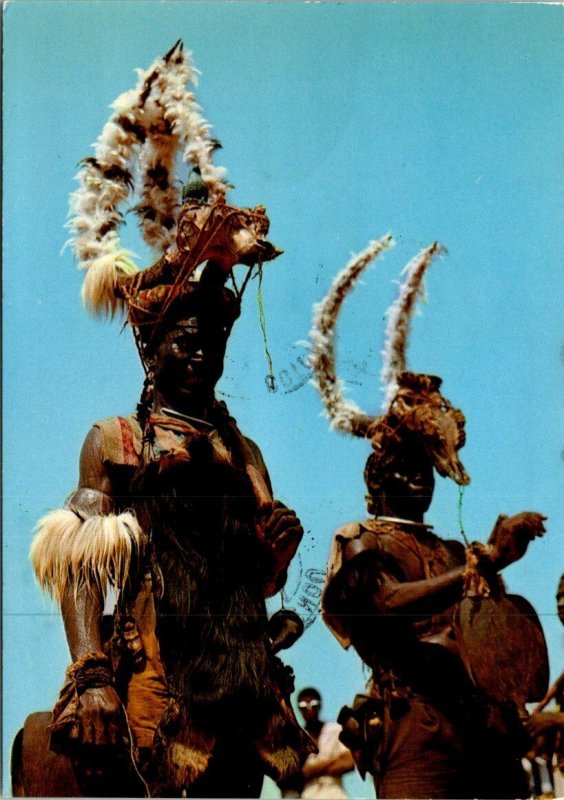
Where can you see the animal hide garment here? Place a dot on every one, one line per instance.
(211, 618)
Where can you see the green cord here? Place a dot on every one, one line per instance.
(461, 526)
(270, 380)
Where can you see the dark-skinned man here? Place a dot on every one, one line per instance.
(423, 613)
(174, 508)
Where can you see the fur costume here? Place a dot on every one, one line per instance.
(197, 598)
(211, 616)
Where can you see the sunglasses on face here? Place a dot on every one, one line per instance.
(309, 704)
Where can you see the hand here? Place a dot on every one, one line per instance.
(101, 718)
(281, 530)
(511, 536)
(314, 766)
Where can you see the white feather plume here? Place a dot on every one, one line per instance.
(150, 124)
(159, 152)
(344, 414)
(399, 318)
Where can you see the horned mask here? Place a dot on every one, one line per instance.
(414, 412)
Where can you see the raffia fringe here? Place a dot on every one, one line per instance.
(476, 583)
(68, 551)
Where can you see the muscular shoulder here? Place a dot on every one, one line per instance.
(349, 531)
(115, 441)
(255, 450)
(120, 440)
(92, 472)
(350, 542)
(356, 537)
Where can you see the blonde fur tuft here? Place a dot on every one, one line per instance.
(68, 551)
(98, 288)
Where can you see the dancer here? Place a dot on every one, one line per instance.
(174, 507)
(441, 718)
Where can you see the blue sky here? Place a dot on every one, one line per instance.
(435, 121)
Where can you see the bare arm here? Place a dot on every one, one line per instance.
(544, 722)
(415, 596)
(82, 614)
(508, 542)
(82, 611)
(101, 719)
(334, 765)
(333, 758)
(556, 687)
(92, 472)
(343, 763)
(383, 589)
(279, 529)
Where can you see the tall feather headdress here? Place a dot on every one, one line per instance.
(412, 402)
(344, 414)
(136, 153)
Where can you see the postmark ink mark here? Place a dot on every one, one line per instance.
(306, 598)
(291, 378)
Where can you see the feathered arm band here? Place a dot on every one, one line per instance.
(72, 551)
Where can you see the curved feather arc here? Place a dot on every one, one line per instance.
(344, 414)
(399, 317)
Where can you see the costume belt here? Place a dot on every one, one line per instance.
(364, 725)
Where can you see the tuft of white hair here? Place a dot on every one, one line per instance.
(344, 414)
(399, 318)
(69, 552)
(98, 288)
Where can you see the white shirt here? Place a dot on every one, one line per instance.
(326, 787)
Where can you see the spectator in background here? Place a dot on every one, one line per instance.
(322, 772)
(547, 727)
